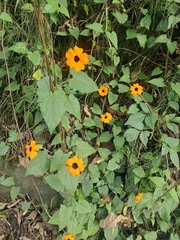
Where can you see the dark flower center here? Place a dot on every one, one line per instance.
(105, 117)
(76, 58)
(136, 89)
(103, 90)
(74, 165)
(30, 149)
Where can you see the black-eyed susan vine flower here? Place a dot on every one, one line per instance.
(75, 165)
(68, 237)
(32, 149)
(76, 58)
(106, 117)
(103, 91)
(136, 89)
(138, 197)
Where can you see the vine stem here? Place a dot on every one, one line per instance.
(9, 85)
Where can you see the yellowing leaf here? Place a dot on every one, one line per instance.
(37, 75)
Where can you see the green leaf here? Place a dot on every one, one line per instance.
(13, 136)
(176, 88)
(59, 158)
(139, 172)
(105, 137)
(174, 157)
(97, 27)
(93, 227)
(104, 152)
(74, 32)
(73, 107)
(19, 47)
(174, 195)
(64, 11)
(28, 6)
(150, 236)
(54, 182)
(142, 38)
(121, 17)
(156, 71)
(84, 149)
(162, 39)
(96, 109)
(159, 82)
(34, 57)
(8, 182)
(14, 192)
(131, 33)
(113, 38)
(158, 181)
(87, 187)
(82, 82)
(38, 165)
(122, 88)
(14, 86)
(111, 233)
(3, 148)
(173, 20)
(171, 46)
(5, 17)
(67, 180)
(131, 134)
(84, 207)
(150, 120)
(61, 217)
(145, 21)
(144, 137)
(52, 106)
(135, 120)
(112, 98)
(126, 75)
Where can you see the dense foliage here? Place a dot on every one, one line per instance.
(90, 101)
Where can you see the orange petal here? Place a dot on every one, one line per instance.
(79, 66)
(78, 51)
(70, 53)
(70, 62)
(84, 58)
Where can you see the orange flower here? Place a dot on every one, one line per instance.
(138, 197)
(103, 91)
(68, 237)
(136, 89)
(32, 149)
(76, 58)
(106, 117)
(75, 165)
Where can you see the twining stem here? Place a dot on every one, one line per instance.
(9, 83)
(40, 20)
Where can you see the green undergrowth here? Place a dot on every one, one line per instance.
(137, 151)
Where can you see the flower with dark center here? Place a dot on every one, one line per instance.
(76, 58)
(68, 237)
(75, 165)
(106, 117)
(136, 89)
(32, 149)
(103, 91)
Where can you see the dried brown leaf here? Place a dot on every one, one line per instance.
(139, 237)
(2, 205)
(32, 215)
(24, 161)
(112, 220)
(86, 110)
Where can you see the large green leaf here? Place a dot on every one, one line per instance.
(73, 107)
(174, 157)
(3, 148)
(67, 180)
(131, 134)
(5, 17)
(54, 182)
(84, 149)
(52, 106)
(113, 38)
(81, 82)
(61, 217)
(39, 164)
